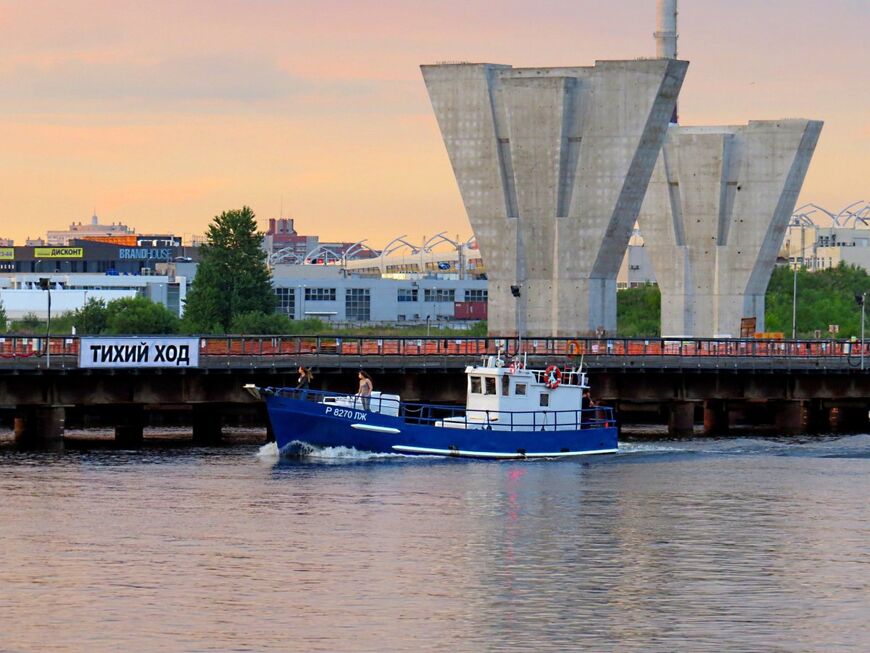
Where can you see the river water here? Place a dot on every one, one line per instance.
(746, 544)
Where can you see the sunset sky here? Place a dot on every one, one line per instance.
(163, 114)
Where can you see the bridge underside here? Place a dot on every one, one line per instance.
(684, 393)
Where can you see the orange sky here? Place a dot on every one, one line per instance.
(162, 114)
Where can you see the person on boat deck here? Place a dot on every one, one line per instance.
(365, 389)
(305, 378)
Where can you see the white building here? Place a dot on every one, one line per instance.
(328, 294)
(21, 294)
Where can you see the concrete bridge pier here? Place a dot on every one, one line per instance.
(129, 427)
(206, 425)
(681, 419)
(40, 427)
(715, 417)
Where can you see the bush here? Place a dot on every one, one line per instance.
(139, 316)
(260, 323)
(638, 312)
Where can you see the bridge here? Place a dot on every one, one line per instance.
(793, 385)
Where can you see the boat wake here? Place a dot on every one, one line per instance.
(298, 449)
(648, 447)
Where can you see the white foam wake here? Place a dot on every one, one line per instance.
(647, 447)
(268, 450)
(298, 449)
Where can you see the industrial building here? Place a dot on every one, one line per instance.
(818, 239)
(329, 294)
(87, 270)
(22, 296)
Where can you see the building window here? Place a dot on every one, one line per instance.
(320, 294)
(358, 304)
(475, 295)
(439, 295)
(407, 295)
(286, 301)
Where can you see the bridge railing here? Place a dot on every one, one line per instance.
(23, 347)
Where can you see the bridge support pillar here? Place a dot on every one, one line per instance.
(791, 417)
(715, 417)
(206, 425)
(129, 430)
(40, 427)
(681, 419)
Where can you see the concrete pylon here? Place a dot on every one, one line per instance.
(714, 217)
(552, 165)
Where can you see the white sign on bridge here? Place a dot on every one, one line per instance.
(146, 351)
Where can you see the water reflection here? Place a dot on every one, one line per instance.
(702, 546)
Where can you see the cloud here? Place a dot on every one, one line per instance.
(99, 84)
(91, 83)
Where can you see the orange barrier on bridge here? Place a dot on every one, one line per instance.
(12, 347)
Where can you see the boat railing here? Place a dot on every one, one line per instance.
(569, 376)
(444, 415)
(375, 403)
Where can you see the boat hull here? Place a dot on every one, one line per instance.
(322, 425)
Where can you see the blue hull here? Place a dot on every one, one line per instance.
(320, 425)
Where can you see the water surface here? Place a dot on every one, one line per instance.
(707, 545)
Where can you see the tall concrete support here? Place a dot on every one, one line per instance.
(714, 217)
(552, 165)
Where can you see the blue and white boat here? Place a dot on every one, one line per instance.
(511, 412)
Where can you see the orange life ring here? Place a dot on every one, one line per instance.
(573, 347)
(552, 377)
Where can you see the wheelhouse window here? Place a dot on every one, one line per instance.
(490, 385)
(475, 385)
(505, 386)
(545, 399)
(520, 389)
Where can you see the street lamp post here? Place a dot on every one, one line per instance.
(862, 300)
(45, 284)
(794, 302)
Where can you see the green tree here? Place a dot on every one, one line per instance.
(823, 298)
(232, 277)
(638, 311)
(91, 318)
(2, 317)
(260, 323)
(139, 316)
